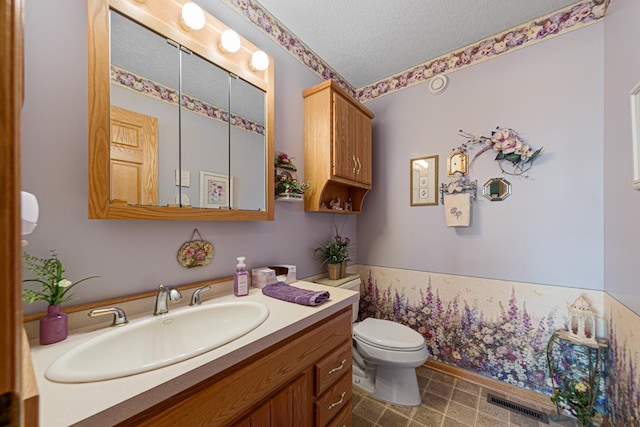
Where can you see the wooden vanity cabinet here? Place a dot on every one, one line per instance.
(337, 140)
(304, 380)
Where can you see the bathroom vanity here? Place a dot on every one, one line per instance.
(294, 369)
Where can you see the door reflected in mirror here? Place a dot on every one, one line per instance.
(145, 75)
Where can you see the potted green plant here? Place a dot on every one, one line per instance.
(335, 253)
(55, 290)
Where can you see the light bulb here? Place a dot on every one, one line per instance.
(192, 17)
(229, 41)
(259, 61)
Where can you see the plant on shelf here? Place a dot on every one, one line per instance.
(286, 185)
(509, 148)
(335, 252)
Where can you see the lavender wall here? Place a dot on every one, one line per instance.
(135, 256)
(550, 230)
(621, 202)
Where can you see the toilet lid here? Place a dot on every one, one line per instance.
(386, 334)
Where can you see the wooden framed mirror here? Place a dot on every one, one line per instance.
(167, 106)
(423, 181)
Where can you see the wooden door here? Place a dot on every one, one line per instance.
(11, 96)
(18, 390)
(363, 147)
(351, 142)
(134, 157)
(287, 408)
(344, 138)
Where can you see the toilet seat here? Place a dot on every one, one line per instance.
(387, 335)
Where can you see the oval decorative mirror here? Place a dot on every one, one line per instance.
(179, 128)
(496, 189)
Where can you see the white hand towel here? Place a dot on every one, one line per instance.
(457, 209)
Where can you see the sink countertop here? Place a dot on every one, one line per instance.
(112, 401)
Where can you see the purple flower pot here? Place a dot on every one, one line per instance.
(53, 326)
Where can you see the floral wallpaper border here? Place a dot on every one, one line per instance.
(163, 93)
(500, 329)
(560, 22)
(272, 27)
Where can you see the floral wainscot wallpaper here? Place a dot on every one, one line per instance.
(500, 329)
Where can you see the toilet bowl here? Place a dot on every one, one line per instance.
(385, 357)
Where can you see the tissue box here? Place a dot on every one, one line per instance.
(263, 276)
(285, 273)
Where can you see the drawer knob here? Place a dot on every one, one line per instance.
(339, 402)
(339, 368)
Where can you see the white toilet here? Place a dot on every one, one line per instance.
(385, 357)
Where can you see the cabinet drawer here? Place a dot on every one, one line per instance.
(343, 419)
(331, 367)
(334, 400)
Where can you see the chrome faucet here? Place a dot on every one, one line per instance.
(195, 298)
(119, 317)
(164, 295)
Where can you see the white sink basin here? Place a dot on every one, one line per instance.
(156, 342)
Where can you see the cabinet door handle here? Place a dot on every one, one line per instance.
(359, 166)
(339, 402)
(339, 368)
(355, 164)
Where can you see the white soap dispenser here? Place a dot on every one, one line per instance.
(241, 278)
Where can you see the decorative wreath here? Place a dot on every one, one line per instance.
(195, 252)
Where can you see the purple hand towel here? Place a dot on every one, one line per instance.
(285, 292)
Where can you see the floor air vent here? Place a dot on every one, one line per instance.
(517, 408)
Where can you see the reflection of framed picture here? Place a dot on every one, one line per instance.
(635, 134)
(215, 190)
(424, 181)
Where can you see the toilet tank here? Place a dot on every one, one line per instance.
(353, 285)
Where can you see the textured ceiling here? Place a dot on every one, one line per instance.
(368, 40)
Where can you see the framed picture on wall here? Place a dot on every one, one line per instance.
(424, 181)
(635, 134)
(216, 190)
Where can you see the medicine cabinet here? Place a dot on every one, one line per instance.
(179, 129)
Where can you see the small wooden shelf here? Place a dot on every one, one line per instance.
(330, 191)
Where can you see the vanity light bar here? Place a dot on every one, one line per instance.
(193, 18)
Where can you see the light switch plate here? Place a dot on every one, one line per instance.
(186, 178)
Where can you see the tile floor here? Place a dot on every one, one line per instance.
(446, 402)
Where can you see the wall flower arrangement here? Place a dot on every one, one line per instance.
(286, 184)
(510, 149)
